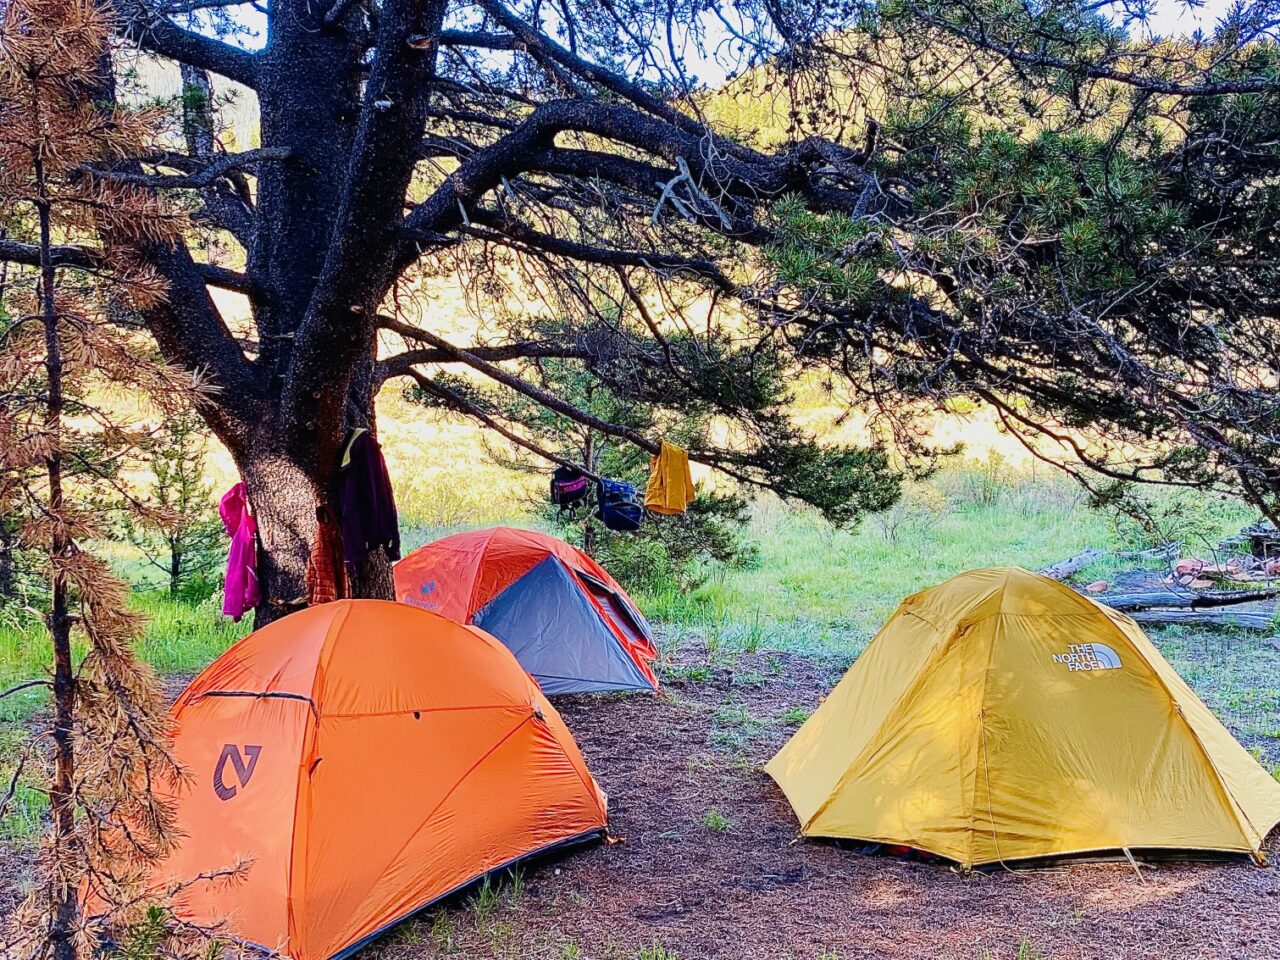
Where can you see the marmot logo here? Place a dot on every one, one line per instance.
(425, 589)
(1088, 656)
(244, 767)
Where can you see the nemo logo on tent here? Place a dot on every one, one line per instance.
(1088, 656)
(243, 765)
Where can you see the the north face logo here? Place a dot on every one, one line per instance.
(243, 764)
(1088, 656)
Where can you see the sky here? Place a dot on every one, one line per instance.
(1173, 19)
(1170, 18)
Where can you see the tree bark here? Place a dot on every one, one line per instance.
(1224, 617)
(1072, 565)
(283, 496)
(175, 567)
(63, 904)
(284, 488)
(8, 563)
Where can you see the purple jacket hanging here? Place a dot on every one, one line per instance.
(242, 560)
(368, 506)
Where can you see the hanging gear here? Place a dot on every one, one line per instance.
(326, 576)
(241, 589)
(670, 489)
(568, 488)
(619, 505)
(366, 504)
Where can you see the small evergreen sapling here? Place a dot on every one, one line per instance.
(180, 535)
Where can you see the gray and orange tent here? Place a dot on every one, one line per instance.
(567, 621)
(365, 759)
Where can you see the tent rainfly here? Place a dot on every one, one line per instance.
(1001, 716)
(366, 759)
(566, 620)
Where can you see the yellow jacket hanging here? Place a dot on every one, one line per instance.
(670, 489)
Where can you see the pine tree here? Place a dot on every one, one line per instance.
(62, 454)
(180, 535)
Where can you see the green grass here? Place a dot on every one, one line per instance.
(656, 952)
(819, 589)
(179, 638)
(714, 821)
(1237, 674)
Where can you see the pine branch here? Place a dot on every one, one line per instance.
(151, 31)
(25, 685)
(981, 38)
(455, 401)
(724, 462)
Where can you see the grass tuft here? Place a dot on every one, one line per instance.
(714, 821)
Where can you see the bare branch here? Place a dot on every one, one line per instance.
(83, 258)
(25, 685)
(153, 32)
(403, 363)
(206, 172)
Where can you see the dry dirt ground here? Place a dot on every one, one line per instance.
(710, 866)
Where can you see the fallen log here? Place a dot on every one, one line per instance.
(1127, 602)
(1218, 617)
(1060, 571)
(1166, 552)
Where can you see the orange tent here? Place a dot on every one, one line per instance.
(369, 758)
(567, 621)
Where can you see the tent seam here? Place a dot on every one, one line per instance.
(1238, 813)
(875, 738)
(408, 710)
(470, 770)
(313, 723)
(980, 747)
(589, 783)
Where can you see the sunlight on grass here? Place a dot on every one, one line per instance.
(819, 588)
(179, 639)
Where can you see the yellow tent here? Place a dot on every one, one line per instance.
(1001, 715)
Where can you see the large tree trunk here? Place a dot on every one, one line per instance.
(285, 487)
(283, 495)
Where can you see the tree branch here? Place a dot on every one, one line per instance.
(207, 170)
(550, 401)
(520, 236)
(757, 178)
(402, 363)
(534, 39)
(153, 32)
(982, 39)
(26, 685)
(482, 39)
(83, 258)
(457, 402)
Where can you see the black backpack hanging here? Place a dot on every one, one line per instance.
(568, 488)
(619, 505)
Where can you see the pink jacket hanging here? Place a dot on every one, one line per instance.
(242, 561)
